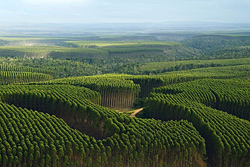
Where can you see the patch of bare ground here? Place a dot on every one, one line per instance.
(129, 111)
(136, 112)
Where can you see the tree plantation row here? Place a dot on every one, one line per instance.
(30, 138)
(227, 137)
(197, 117)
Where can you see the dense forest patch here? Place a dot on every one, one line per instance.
(195, 111)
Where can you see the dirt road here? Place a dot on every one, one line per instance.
(136, 111)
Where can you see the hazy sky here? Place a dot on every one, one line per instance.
(92, 11)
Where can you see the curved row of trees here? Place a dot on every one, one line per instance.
(10, 77)
(231, 95)
(227, 137)
(31, 138)
(4, 67)
(116, 91)
(102, 137)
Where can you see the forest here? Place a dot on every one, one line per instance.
(71, 101)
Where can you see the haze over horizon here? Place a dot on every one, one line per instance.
(97, 11)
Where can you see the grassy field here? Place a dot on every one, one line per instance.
(123, 43)
(42, 51)
(61, 48)
(25, 38)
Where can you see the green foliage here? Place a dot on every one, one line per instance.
(191, 100)
(194, 101)
(54, 51)
(14, 74)
(116, 91)
(161, 67)
(10, 77)
(231, 53)
(211, 43)
(124, 44)
(56, 67)
(93, 57)
(37, 138)
(4, 67)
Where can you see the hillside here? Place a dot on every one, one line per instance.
(67, 110)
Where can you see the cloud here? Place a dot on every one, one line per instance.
(9, 12)
(54, 2)
(6, 11)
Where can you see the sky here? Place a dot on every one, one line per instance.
(126, 11)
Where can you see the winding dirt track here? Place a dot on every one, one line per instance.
(136, 111)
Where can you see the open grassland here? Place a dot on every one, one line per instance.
(57, 48)
(9, 38)
(43, 51)
(123, 43)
